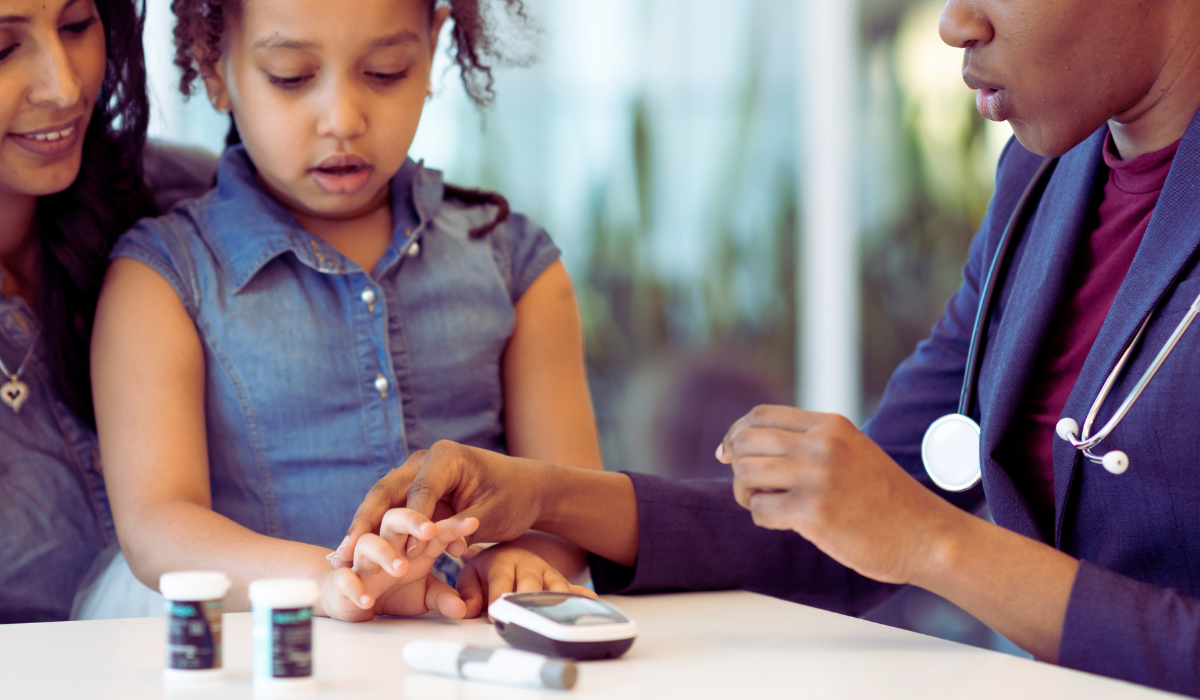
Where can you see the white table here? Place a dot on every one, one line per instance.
(728, 645)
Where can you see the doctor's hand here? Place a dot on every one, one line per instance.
(509, 496)
(502, 492)
(819, 475)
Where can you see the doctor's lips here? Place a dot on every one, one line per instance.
(342, 173)
(989, 98)
(49, 141)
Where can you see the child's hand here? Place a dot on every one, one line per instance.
(382, 582)
(507, 568)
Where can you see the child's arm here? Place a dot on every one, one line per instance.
(547, 406)
(148, 376)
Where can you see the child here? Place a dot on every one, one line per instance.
(266, 352)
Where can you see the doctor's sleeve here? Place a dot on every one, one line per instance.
(1122, 628)
(693, 536)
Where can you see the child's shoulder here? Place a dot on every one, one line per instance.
(169, 234)
(522, 248)
(172, 245)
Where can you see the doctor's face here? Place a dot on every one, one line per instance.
(1056, 70)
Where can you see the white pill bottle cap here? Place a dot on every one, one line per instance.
(284, 592)
(194, 585)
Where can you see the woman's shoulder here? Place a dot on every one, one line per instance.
(176, 173)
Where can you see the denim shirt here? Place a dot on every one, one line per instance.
(55, 522)
(321, 377)
(54, 516)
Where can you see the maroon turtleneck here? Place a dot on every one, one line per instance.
(1111, 239)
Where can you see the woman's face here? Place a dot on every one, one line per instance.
(1056, 70)
(52, 64)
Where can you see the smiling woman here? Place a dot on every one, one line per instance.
(73, 115)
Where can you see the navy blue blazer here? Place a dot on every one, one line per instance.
(1133, 612)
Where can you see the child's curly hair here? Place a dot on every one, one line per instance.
(200, 26)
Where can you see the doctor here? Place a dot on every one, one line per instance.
(1088, 568)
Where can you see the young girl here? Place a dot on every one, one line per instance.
(266, 353)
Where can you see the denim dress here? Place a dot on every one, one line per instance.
(320, 376)
(56, 529)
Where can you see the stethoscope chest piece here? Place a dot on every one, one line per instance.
(950, 451)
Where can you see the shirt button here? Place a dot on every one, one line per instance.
(382, 385)
(414, 250)
(369, 298)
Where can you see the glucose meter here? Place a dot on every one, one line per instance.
(567, 625)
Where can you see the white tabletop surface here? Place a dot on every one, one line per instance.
(728, 645)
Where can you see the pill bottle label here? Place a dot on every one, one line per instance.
(283, 642)
(194, 634)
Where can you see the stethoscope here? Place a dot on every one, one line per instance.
(951, 449)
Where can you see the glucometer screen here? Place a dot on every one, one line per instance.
(568, 609)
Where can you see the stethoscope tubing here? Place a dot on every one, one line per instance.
(966, 399)
(1086, 442)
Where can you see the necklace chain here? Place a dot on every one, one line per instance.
(21, 369)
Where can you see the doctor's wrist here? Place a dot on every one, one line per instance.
(595, 510)
(944, 539)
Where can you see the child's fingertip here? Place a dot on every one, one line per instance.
(364, 602)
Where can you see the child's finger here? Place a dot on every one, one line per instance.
(373, 551)
(348, 584)
(500, 580)
(554, 581)
(444, 599)
(457, 548)
(407, 530)
(529, 579)
(584, 590)
(471, 590)
(399, 522)
(448, 531)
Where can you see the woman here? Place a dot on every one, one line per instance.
(73, 114)
(1095, 567)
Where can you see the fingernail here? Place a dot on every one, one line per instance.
(345, 542)
(365, 600)
(721, 452)
(396, 564)
(330, 556)
(412, 545)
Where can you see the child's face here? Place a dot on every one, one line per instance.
(327, 95)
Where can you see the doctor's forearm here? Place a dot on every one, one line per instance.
(1015, 585)
(596, 510)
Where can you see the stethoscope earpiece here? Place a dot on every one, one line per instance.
(1116, 462)
(1067, 428)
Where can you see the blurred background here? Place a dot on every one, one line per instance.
(762, 201)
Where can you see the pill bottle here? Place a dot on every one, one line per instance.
(282, 628)
(193, 602)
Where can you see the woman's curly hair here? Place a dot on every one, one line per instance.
(79, 225)
(201, 24)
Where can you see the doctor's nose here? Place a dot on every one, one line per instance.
(964, 24)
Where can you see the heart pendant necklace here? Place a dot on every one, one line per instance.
(14, 392)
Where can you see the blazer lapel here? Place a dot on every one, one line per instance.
(1030, 299)
(1170, 241)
